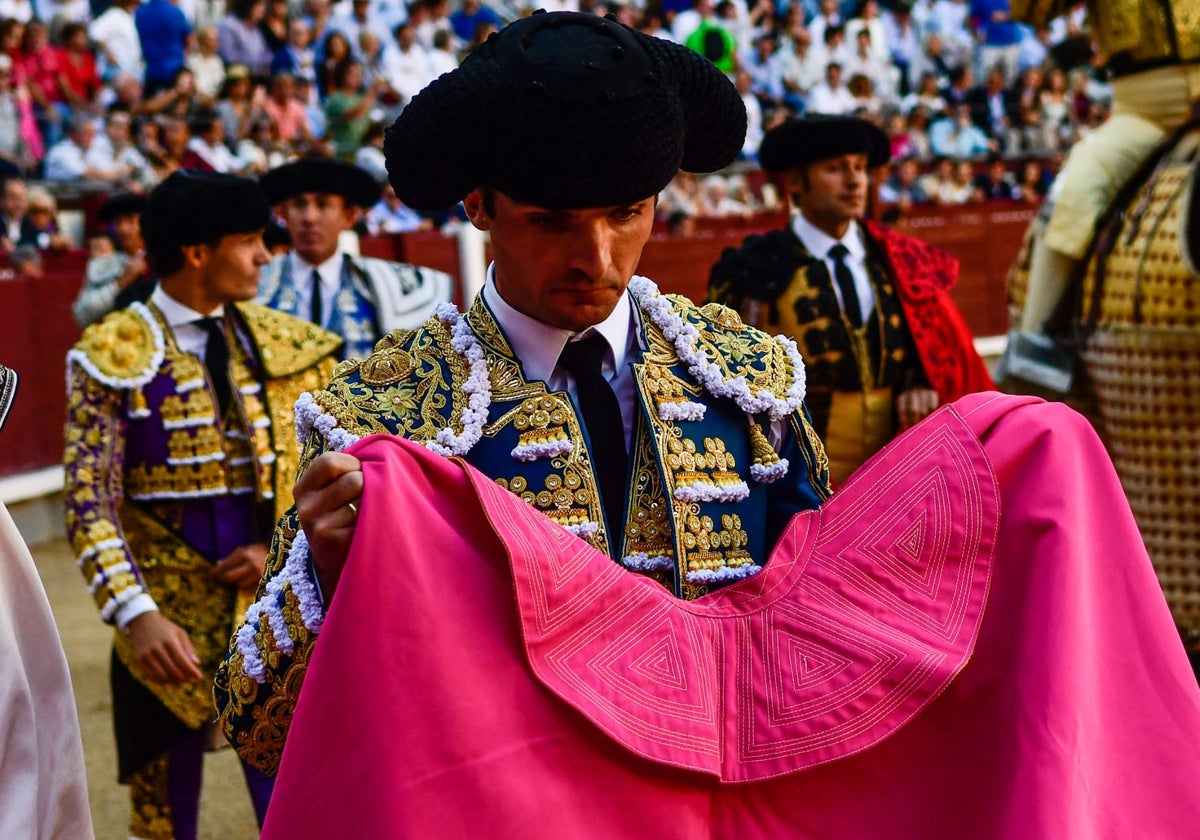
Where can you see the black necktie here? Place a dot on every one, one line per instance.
(318, 305)
(602, 417)
(216, 359)
(845, 283)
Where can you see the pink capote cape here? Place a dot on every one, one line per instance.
(967, 641)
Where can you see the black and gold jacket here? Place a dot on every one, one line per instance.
(774, 282)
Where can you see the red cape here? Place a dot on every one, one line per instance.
(924, 276)
(968, 640)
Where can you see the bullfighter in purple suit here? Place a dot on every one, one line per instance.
(180, 455)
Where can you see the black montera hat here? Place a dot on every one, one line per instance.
(121, 204)
(321, 175)
(193, 207)
(565, 110)
(799, 142)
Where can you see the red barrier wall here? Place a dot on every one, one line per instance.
(37, 332)
(37, 328)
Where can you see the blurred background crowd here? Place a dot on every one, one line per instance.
(116, 94)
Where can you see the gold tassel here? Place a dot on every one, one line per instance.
(138, 407)
(760, 448)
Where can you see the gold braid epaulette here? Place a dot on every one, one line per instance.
(738, 350)
(124, 350)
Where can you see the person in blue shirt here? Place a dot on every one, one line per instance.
(1001, 37)
(163, 30)
(467, 20)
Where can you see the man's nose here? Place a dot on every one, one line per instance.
(591, 250)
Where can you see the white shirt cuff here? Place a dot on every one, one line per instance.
(130, 610)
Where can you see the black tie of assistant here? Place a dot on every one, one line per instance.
(216, 359)
(318, 305)
(602, 417)
(845, 283)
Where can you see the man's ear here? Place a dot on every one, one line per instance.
(476, 212)
(195, 256)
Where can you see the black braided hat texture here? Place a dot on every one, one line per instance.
(193, 207)
(321, 175)
(798, 142)
(565, 110)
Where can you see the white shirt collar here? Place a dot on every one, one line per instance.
(818, 242)
(538, 345)
(175, 313)
(330, 271)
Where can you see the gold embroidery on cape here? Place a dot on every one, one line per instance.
(416, 406)
(149, 796)
(568, 495)
(201, 443)
(177, 577)
(747, 353)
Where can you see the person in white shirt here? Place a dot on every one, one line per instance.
(169, 519)
(800, 68)
(67, 159)
(562, 321)
(831, 96)
(206, 64)
(871, 21)
(408, 68)
(112, 155)
(838, 285)
(442, 58)
(21, 11)
(353, 18)
(116, 40)
(866, 61)
(754, 115)
(829, 15)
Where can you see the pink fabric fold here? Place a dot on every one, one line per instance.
(966, 641)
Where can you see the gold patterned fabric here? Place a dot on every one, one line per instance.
(144, 446)
(150, 803)
(1143, 364)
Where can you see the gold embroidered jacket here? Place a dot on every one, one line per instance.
(707, 495)
(158, 487)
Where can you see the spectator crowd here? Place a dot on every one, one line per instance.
(124, 92)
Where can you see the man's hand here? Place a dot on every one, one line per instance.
(162, 649)
(914, 405)
(324, 495)
(243, 567)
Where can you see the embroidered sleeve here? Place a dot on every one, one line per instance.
(92, 459)
(258, 683)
